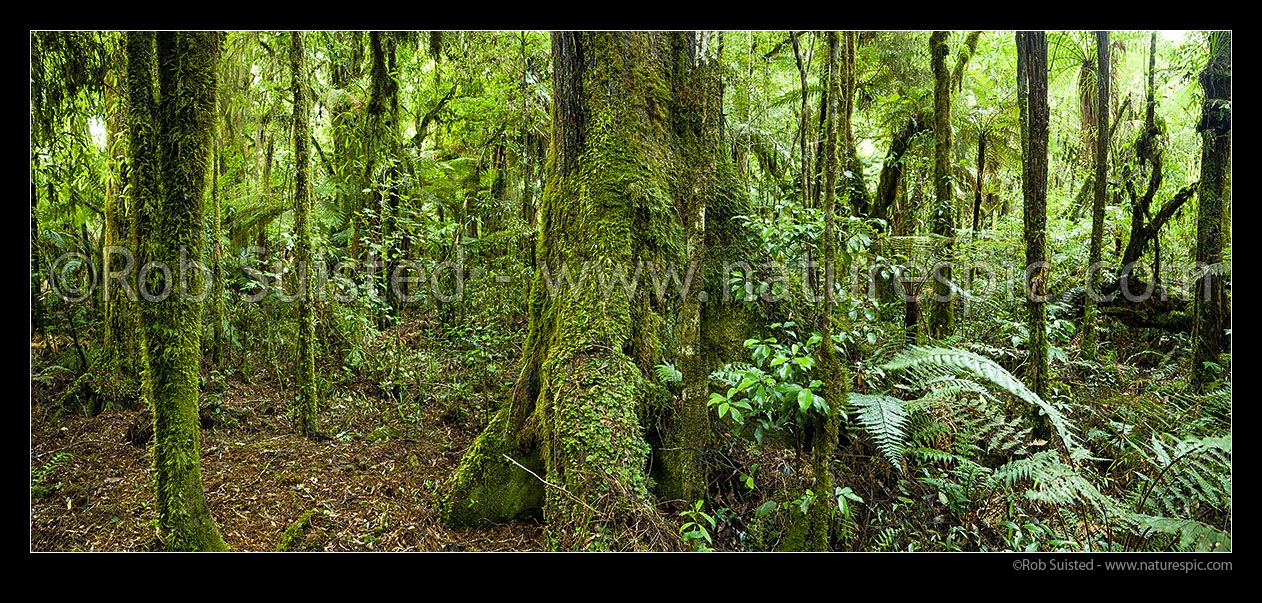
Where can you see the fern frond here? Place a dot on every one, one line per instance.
(967, 362)
(667, 373)
(1192, 535)
(885, 420)
(1053, 481)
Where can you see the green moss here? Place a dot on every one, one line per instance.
(786, 528)
(169, 146)
(618, 192)
(292, 539)
(486, 488)
(797, 534)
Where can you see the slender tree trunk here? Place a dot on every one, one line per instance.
(216, 250)
(37, 278)
(305, 363)
(826, 428)
(348, 144)
(941, 310)
(1032, 47)
(170, 122)
(804, 127)
(1215, 128)
(977, 197)
(803, 121)
(120, 311)
(981, 170)
(1100, 179)
(852, 167)
(528, 169)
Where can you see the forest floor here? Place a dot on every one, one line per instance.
(371, 483)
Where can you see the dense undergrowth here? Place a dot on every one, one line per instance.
(938, 448)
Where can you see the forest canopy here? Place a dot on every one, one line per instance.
(736, 291)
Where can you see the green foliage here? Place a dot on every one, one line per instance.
(1136, 463)
(968, 363)
(776, 394)
(667, 373)
(38, 488)
(885, 420)
(695, 531)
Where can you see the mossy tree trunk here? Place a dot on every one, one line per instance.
(941, 309)
(1215, 128)
(697, 116)
(383, 153)
(1032, 51)
(851, 176)
(887, 188)
(635, 177)
(170, 123)
(117, 359)
(1101, 184)
(890, 181)
(804, 120)
(305, 364)
(824, 440)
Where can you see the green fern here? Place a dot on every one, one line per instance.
(1192, 535)
(668, 373)
(966, 362)
(885, 420)
(1053, 482)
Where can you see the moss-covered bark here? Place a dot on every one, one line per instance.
(1100, 184)
(941, 309)
(636, 176)
(1033, 49)
(834, 389)
(111, 377)
(305, 364)
(170, 125)
(1215, 128)
(383, 152)
(856, 189)
(888, 184)
(488, 488)
(697, 118)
